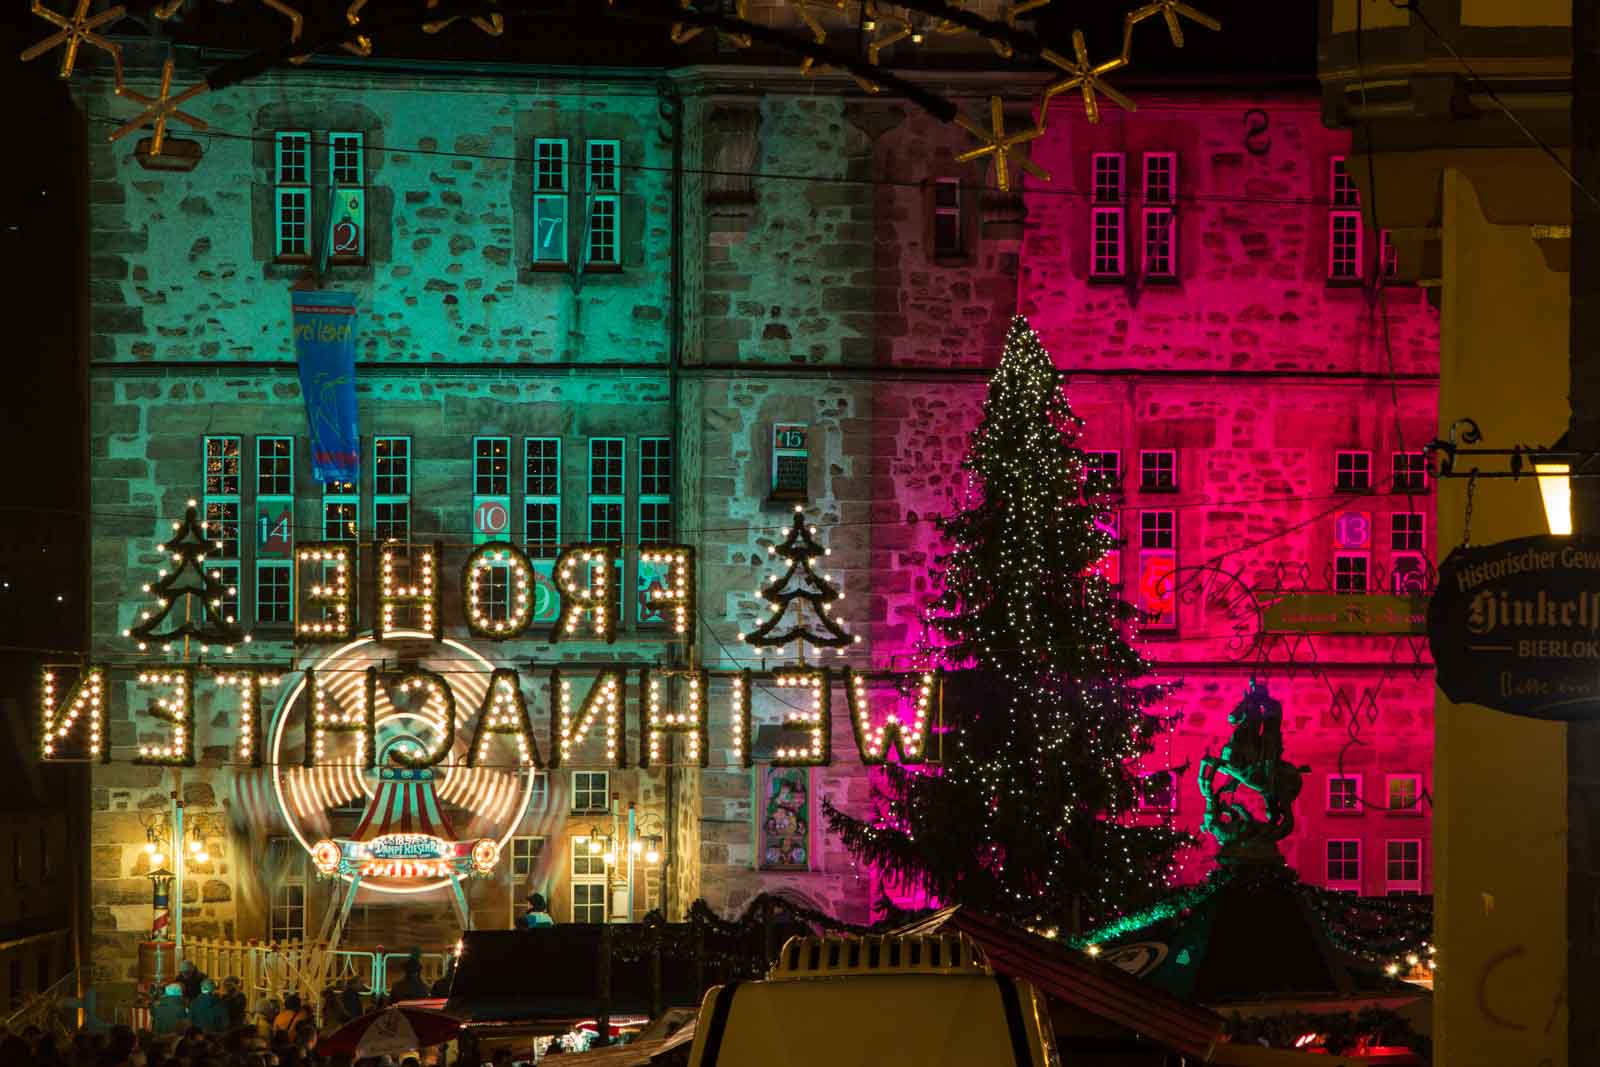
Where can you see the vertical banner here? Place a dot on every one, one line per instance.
(325, 347)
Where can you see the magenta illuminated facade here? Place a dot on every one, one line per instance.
(1200, 272)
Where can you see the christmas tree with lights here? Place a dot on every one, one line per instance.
(191, 584)
(1029, 815)
(799, 589)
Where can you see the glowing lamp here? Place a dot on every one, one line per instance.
(1555, 489)
(157, 859)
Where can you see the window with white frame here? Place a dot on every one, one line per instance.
(1344, 794)
(1352, 472)
(539, 800)
(1404, 792)
(591, 791)
(1344, 224)
(1156, 529)
(604, 186)
(1158, 470)
(947, 217)
(391, 489)
(347, 225)
(542, 496)
(588, 884)
(607, 470)
(1160, 220)
(550, 200)
(292, 194)
(286, 919)
(274, 529)
(655, 490)
(1343, 870)
(525, 853)
(1102, 471)
(1408, 563)
(221, 514)
(1403, 867)
(1107, 216)
(1410, 472)
(1350, 570)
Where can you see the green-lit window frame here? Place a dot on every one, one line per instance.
(291, 192)
(603, 186)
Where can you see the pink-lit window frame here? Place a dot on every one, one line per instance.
(1365, 571)
(1327, 796)
(1394, 472)
(1344, 216)
(1396, 887)
(1108, 256)
(1388, 255)
(1341, 885)
(1415, 807)
(1172, 482)
(1337, 465)
(1160, 236)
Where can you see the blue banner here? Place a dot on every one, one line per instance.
(325, 347)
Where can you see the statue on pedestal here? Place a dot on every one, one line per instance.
(1253, 758)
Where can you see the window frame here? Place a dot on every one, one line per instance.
(1401, 540)
(551, 202)
(655, 491)
(784, 450)
(1346, 477)
(286, 189)
(587, 879)
(601, 200)
(604, 778)
(534, 846)
(383, 492)
(1159, 242)
(270, 487)
(1167, 531)
(617, 499)
(1108, 241)
(1354, 807)
(1402, 886)
(543, 498)
(1099, 476)
(488, 483)
(356, 183)
(1388, 256)
(228, 565)
(1343, 884)
(1150, 464)
(1389, 782)
(1415, 467)
(951, 212)
(1350, 578)
(288, 885)
(1344, 224)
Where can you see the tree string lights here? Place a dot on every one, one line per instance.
(188, 582)
(1048, 718)
(800, 583)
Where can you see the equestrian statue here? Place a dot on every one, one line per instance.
(1253, 758)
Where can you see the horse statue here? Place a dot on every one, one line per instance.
(1253, 758)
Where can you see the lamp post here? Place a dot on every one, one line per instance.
(167, 841)
(644, 842)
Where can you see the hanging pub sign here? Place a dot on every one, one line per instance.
(1515, 626)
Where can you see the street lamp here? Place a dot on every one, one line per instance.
(1555, 489)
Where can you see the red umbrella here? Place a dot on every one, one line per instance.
(388, 1031)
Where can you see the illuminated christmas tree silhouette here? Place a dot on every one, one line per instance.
(801, 588)
(201, 594)
(1029, 816)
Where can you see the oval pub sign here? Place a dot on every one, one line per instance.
(1516, 626)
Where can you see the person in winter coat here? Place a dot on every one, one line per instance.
(233, 998)
(350, 998)
(190, 977)
(207, 1012)
(411, 986)
(167, 1013)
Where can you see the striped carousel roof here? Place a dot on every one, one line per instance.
(405, 803)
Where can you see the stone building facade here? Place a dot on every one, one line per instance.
(816, 334)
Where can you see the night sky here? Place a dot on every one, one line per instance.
(41, 518)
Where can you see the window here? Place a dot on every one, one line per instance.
(588, 884)
(1160, 223)
(1404, 792)
(542, 496)
(1389, 256)
(491, 466)
(223, 477)
(288, 912)
(391, 489)
(540, 800)
(604, 244)
(525, 853)
(491, 519)
(292, 195)
(1403, 867)
(947, 217)
(1158, 470)
(591, 790)
(1102, 472)
(791, 461)
(607, 467)
(1352, 472)
(274, 528)
(786, 820)
(549, 200)
(1344, 224)
(1408, 565)
(1344, 794)
(1155, 529)
(1405, 531)
(1350, 572)
(1107, 216)
(1410, 472)
(341, 522)
(1344, 865)
(1157, 792)
(655, 490)
(347, 225)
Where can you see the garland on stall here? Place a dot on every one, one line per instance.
(706, 937)
(1379, 930)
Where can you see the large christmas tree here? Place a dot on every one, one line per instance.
(1029, 816)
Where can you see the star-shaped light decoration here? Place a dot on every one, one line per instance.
(296, 21)
(819, 33)
(1001, 145)
(74, 31)
(161, 108)
(1014, 9)
(886, 30)
(682, 33)
(494, 25)
(1170, 10)
(1084, 76)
